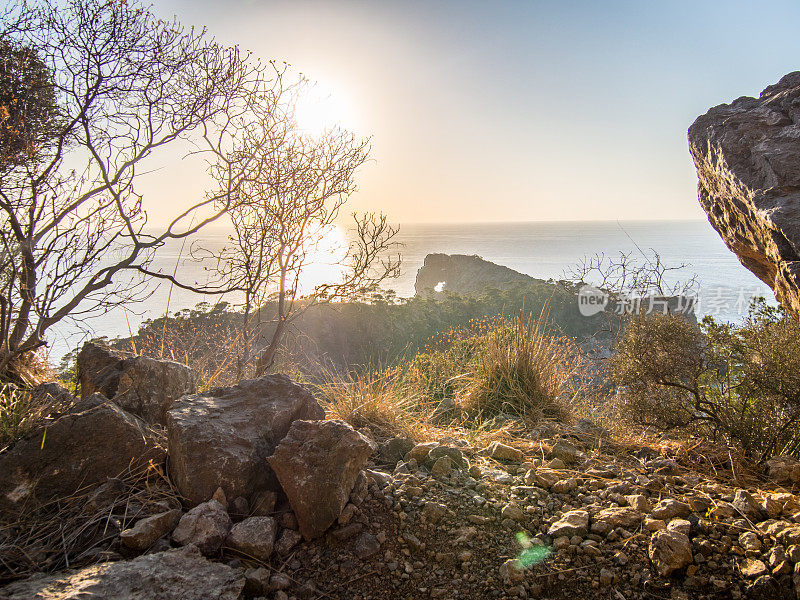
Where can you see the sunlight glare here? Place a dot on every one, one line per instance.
(322, 108)
(325, 256)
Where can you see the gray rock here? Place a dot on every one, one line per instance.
(393, 450)
(253, 537)
(366, 546)
(748, 165)
(574, 522)
(317, 464)
(147, 531)
(143, 386)
(500, 451)
(181, 574)
(288, 540)
(223, 437)
(747, 506)
(205, 526)
(78, 449)
(669, 551)
(669, 508)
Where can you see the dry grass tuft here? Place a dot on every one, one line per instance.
(22, 411)
(376, 398)
(71, 532)
(523, 371)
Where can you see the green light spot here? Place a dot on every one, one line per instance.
(530, 554)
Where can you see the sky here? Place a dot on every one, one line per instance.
(513, 111)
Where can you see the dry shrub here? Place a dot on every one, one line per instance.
(207, 338)
(522, 370)
(71, 532)
(376, 398)
(733, 383)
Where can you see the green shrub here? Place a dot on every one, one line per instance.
(740, 383)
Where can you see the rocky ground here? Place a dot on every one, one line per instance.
(247, 492)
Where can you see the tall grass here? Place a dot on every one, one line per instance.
(521, 370)
(381, 399)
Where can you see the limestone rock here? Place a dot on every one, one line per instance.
(254, 537)
(784, 470)
(76, 450)
(205, 526)
(317, 464)
(669, 551)
(147, 531)
(500, 451)
(181, 574)
(148, 387)
(748, 164)
(625, 516)
(669, 508)
(223, 437)
(143, 386)
(574, 522)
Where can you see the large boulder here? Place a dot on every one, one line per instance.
(143, 386)
(747, 156)
(317, 464)
(222, 438)
(80, 448)
(181, 574)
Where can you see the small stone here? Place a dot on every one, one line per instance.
(253, 537)
(574, 522)
(239, 508)
(219, 496)
(654, 524)
(680, 525)
(256, 581)
(288, 539)
(205, 526)
(749, 541)
(500, 451)
(147, 531)
(420, 451)
(639, 502)
(366, 546)
(669, 551)
(747, 506)
(565, 451)
(669, 508)
(752, 568)
(607, 576)
(565, 486)
(513, 511)
(434, 511)
(442, 467)
(557, 464)
(512, 572)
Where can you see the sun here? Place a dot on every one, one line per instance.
(321, 107)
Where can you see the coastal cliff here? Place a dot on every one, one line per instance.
(747, 157)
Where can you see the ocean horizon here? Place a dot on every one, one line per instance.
(542, 249)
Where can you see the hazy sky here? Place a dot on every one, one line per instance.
(518, 111)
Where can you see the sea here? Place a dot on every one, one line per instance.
(546, 250)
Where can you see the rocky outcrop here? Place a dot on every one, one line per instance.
(222, 438)
(747, 156)
(462, 274)
(317, 464)
(173, 575)
(81, 448)
(143, 386)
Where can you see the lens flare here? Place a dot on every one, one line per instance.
(531, 554)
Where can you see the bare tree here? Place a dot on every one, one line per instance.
(125, 85)
(288, 202)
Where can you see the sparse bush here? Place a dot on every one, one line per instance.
(22, 411)
(741, 383)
